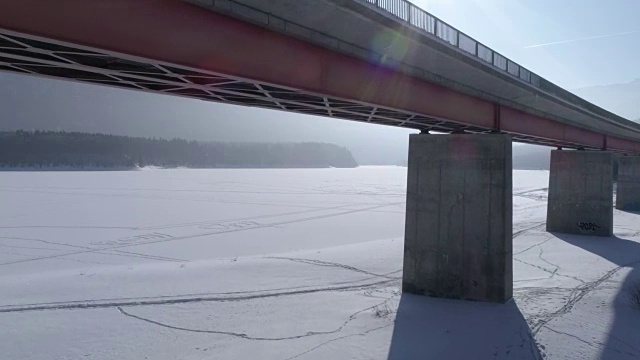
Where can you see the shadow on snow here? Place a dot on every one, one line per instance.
(431, 328)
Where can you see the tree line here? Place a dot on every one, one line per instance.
(74, 149)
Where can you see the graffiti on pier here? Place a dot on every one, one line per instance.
(588, 226)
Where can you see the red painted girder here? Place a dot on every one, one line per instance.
(519, 122)
(175, 32)
(623, 144)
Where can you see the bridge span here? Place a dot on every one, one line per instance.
(385, 62)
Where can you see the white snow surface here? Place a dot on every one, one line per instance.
(285, 264)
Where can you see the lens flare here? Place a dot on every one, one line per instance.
(391, 47)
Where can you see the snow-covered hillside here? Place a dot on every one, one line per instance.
(284, 264)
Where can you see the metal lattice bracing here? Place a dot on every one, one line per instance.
(175, 48)
(43, 57)
(19, 53)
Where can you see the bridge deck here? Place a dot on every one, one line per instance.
(176, 48)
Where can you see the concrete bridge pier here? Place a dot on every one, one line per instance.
(458, 230)
(581, 193)
(628, 191)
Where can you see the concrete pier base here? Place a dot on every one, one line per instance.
(581, 193)
(628, 190)
(458, 231)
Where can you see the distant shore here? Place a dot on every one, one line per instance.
(60, 151)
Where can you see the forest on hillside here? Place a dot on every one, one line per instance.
(73, 149)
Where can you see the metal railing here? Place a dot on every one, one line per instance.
(431, 25)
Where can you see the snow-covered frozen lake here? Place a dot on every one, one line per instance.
(284, 264)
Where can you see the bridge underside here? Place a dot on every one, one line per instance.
(43, 57)
(174, 48)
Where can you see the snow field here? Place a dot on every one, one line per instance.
(284, 264)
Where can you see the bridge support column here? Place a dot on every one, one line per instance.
(458, 230)
(628, 191)
(581, 193)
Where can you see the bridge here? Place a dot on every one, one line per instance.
(384, 62)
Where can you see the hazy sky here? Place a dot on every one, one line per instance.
(516, 28)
